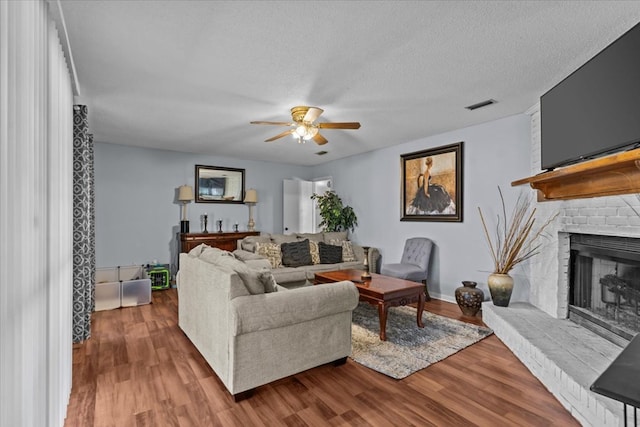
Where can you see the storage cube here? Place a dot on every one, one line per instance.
(136, 292)
(107, 295)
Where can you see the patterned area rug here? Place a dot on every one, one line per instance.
(408, 348)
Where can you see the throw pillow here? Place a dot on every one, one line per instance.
(269, 282)
(296, 254)
(347, 250)
(253, 279)
(315, 253)
(271, 251)
(329, 254)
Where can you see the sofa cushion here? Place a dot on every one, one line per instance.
(335, 235)
(329, 254)
(283, 238)
(195, 252)
(211, 255)
(271, 251)
(315, 253)
(249, 242)
(313, 237)
(296, 254)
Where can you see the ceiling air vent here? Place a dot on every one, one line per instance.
(481, 104)
(321, 153)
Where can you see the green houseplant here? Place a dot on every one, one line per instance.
(335, 216)
(516, 239)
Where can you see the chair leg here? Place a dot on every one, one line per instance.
(427, 297)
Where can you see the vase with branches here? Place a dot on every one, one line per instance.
(335, 215)
(515, 239)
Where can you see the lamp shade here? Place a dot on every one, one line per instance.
(185, 193)
(251, 196)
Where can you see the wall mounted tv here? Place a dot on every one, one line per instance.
(595, 110)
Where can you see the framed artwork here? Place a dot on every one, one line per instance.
(432, 184)
(216, 184)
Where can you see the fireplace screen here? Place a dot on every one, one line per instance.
(604, 290)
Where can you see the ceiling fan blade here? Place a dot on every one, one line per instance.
(312, 114)
(271, 123)
(319, 139)
(347, 125)
(280, 135)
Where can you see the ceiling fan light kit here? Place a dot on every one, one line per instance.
(303, 126)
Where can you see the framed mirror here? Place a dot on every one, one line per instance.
(216, 184)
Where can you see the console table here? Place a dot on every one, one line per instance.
(225, 241)
(620, 380)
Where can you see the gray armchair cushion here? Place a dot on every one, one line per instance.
(414, 264)
(404, 271)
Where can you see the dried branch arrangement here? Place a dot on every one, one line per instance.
(516, 240)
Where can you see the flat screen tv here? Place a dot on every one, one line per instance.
(595, 110)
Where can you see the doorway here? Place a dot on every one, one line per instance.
(300, 214)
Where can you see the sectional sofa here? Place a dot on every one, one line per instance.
(292, 266)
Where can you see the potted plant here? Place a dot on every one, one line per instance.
(335, 216)
(515, 240)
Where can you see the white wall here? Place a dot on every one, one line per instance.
(138, 217)
(36, 136)
(494, 154)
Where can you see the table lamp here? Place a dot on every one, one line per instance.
(185, 195)
(251, 198)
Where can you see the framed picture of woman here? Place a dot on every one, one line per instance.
(432, 184)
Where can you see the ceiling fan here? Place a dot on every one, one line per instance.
(303, 127)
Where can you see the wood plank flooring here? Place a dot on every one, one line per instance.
(139, 369)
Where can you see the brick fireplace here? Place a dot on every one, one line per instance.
(563, 355)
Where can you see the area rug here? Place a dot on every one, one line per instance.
(408, 348)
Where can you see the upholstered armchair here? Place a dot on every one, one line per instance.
(414, 264)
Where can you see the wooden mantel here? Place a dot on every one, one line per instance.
(606, 176)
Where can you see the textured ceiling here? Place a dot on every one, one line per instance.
(190, 75)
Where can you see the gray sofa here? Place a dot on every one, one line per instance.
(292, 277)
(252, 331)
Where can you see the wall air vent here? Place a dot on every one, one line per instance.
(321, 153)
(481, 104)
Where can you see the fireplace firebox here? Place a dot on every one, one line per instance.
(604, 285)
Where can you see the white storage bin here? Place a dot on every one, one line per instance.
(107, 295)
(136, 292)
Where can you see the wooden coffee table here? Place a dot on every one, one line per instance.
(382, 291)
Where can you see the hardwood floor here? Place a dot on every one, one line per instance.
(139, 369)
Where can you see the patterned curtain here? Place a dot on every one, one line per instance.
(84, 255)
